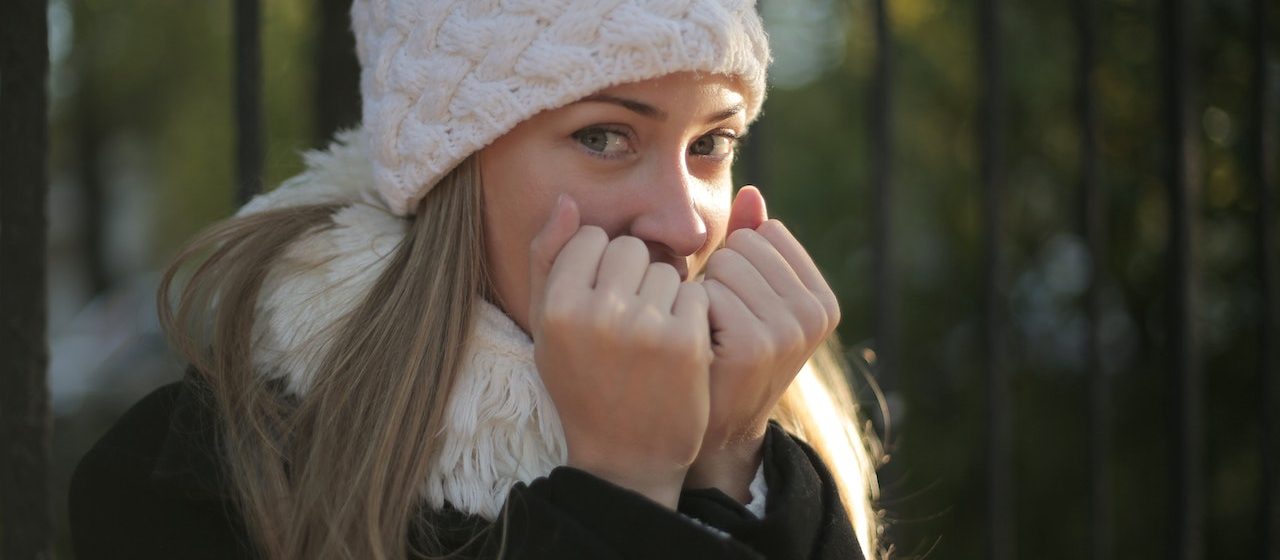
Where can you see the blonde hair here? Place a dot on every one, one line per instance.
(334, 473)
(820, 409)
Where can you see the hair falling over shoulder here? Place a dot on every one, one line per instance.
(334, 473)
(819, 408)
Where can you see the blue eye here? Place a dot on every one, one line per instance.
(714, 145)
(603, 141)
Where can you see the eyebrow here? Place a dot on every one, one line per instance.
(647, 110)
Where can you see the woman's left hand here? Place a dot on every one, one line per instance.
(770, 308)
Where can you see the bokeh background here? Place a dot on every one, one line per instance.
(143, 156)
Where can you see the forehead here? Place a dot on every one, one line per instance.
(683, 88)
(683, 99)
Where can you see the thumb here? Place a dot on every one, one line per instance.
(748, 210)
(546, 246)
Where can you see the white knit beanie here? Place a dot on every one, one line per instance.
(442, 79)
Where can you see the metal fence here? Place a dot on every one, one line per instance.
(24, 418)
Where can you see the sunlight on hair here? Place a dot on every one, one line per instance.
(836, 433)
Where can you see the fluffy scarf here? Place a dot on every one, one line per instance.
(500, 426)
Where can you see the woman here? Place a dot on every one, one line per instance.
(518, 313)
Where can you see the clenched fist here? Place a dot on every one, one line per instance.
(624, 350)
(770, 309)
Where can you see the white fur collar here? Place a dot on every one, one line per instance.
(500, 425)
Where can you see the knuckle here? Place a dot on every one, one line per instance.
(593, 233)
(772, 229)
(646, 331)
(830, 306)
(721, 258)
(627, 244)
(788, 331)
(687, 342)
(557, 315)
(762, 342)
(740, 236)
(693, 293)
(663, 271)
(799, 338)
(609, 304)
(627, 249)
(810, 311)
(539, 251)
(772, 224)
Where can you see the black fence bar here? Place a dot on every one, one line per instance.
(248, 108)
(886, 317)
(90, 139)
(1099, 408)
(1187, 524)
(25, 517)
(337, 71)
(1262, 164)
(999, 426)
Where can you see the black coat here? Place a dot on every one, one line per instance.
(152, 488)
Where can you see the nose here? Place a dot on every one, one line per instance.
(671, 221)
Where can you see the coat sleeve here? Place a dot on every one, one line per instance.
(804, 516)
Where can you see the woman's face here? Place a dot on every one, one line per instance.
(649, 159)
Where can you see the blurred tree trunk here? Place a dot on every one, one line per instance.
(337, 71)
(24, 351)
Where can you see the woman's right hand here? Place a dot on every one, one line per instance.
(623, 348)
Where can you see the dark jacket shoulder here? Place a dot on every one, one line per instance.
(153, 487)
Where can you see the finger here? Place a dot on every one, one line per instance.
(691, 302)
(769, 262)
(576, 266)
(622, 267)
(801, 263)
(660, 285)
(804, 267)
(724, 307)
(731, 269)
(748, 210)
(547, 244)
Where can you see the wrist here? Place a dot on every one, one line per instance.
(662, 485)
(729, 468)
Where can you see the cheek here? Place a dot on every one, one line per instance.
(508, 264)
(517, 200)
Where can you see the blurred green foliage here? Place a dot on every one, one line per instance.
(154, 81)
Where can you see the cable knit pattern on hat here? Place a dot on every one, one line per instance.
(441, 79)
